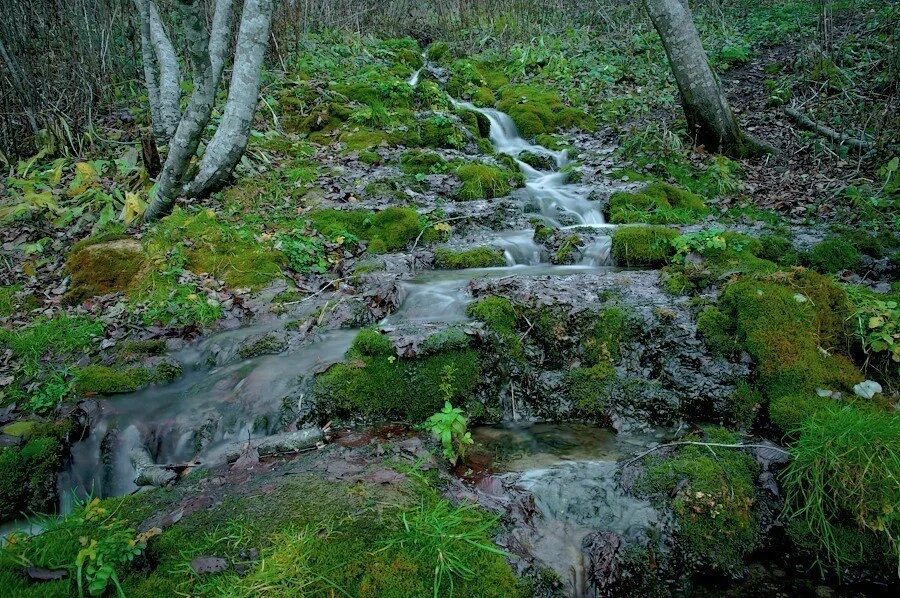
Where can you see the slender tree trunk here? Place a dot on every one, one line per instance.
(230, 140)
(169, 72)
(151, 69)
(190, 128)
(710, 119)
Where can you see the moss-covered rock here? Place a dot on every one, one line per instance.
(423, 162)
(833, 255)
(538, 161)
(643, 245)
(712, 493)
(100, 379)
(499, 314)
(474, 79)
(477, 257)
(656, 203)
(565, 254)
(103, 268)
(778, 249)
(441, 131)
(386, 386)
(268, 344)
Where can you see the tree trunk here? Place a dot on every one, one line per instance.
(196, 116)
(148, 56)
(169, 72)
(710, 119)
(230, 140)
(18, 82)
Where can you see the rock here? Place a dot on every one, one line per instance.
(867, 389)
(204, 565)
(604, 562)
(41, 574)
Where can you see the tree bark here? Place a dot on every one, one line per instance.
(230, 140)
(18, 81)
(169, 72)
(196, 116)
(151, 69)
(710, 119)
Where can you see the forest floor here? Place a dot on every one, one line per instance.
(735, 302)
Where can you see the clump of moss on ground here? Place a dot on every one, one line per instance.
(380, 385)
(105, 380)
(475, 79)
(711, 490)
(538, 110)
(499, 314)
(643, 245)
(657, 203)
(391, 229)
(841, 487)
(423, 162)
(28, 476)
(478, 257)
(834, 255)
(483, 181)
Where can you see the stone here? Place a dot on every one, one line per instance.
(867, 389)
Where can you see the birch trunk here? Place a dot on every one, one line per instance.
(169, 89)
(196, 116)
(230, 140)
(151, 70)
(710, 119)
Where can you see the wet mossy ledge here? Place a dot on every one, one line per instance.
(391, 229)
(477, 257)
(376, 383)
(28, 471)
(485, 181)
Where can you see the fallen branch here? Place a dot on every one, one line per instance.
(842, 138)
(706, 444)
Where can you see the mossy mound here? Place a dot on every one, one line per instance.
(441, 131)
(657, 203)
(377, 385)
(106, 380)
(538, 161)
(643, 245)
(782, 324)
(539, 110)
(28, 476)
(391, 229)
(834, 255)
(789, 412)
(103, 268)
(499, 314)
(483, 181)
(778, 249)
(207, 244)
(712, 493)
(360, 139)
(478, 257)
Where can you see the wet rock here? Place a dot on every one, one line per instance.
(205, 565)
(385, 476)
(42, 574)
(867, 389)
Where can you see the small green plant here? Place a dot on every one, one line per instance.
(876, 323)
(449, 424)
(304, 254)
(701, 242)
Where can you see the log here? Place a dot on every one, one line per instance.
(148, 473)
(276, 444)
(837, 136)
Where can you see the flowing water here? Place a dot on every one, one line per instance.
(223, 398)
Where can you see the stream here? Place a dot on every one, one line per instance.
(223, 399)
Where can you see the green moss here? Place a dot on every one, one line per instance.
(423, 162)
(468, 77)
(657, 203)
(28, 476)
(100, 379)
(590, 388)
(391, 229)
(778, 249)
(269, 344)
(675, 282)
(10, 301)
(782, 325)
(483, 181)
(44, 337)
(539, 110)
(366, 139)
(437, 51)
(841, 487)
(714, 498)
(643, 245)
(477, 257)
(441, 130)
(371, 343)
(369, 157)
(103, 268)
(716, 330)
(833, 255)
(209, 244)
(499, 314)
(612, 328)
(789, 412)
(484, 96)
(542, 232)
(566, 252)
(743, 405)
(396, 388)
(875, 245)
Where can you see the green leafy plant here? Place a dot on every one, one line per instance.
(449, 424)
(876, 323)
(702, 242)
(305, 254)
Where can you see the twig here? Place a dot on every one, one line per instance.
(706, 444)
(842, 138)
(319, 292)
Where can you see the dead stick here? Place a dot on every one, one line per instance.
(706, 444)
(805, 121)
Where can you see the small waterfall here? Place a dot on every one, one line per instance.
(414, 78)
(519, 248)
